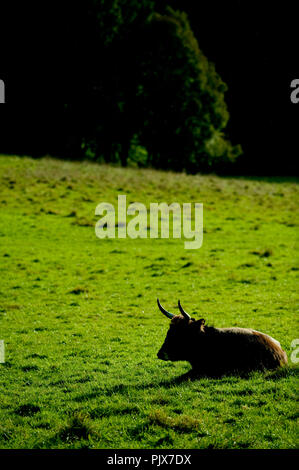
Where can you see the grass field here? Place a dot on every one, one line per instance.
(80, 323)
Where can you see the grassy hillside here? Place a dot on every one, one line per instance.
(80, 323)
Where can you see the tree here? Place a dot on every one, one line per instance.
(182, 112)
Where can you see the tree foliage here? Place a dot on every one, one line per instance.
(180, 98)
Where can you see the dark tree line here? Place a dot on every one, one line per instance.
(129, 81)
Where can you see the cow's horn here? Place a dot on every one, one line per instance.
(168, 314)
(185, 314)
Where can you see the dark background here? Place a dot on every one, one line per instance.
(44, 61)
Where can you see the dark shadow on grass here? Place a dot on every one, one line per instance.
(79, 427)
(123, 389)
(27, 410)
(283, 372)
(188, 376)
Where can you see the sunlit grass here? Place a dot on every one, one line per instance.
(79, 319)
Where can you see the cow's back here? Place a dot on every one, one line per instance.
(241, 349)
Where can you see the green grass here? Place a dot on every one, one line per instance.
(80, 323)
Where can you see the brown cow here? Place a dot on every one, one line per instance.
(217, 351)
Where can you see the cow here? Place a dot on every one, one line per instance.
(218, 351)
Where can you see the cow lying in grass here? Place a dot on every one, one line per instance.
(218, 351)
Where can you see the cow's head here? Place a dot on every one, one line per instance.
(181, 335)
